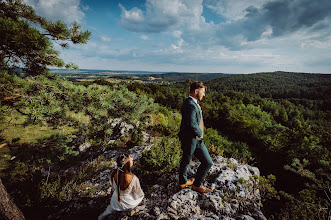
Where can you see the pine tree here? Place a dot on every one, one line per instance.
(27, 39)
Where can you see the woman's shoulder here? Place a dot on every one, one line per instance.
(130, 176)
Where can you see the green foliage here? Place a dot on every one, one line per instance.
(308, 204)
(58, 190)
(302, 88)
(266, 187)
(276, 132)
(26, 39)
(231, 165)
(166, 122)
(57, 103)
(218, 145)
(160, 93)
(61, 146)
(137, 138)
(68, 188)
(291, 120)
(164, 157)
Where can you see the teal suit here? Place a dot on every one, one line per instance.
(192, 144)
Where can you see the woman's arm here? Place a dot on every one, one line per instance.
(137, 188)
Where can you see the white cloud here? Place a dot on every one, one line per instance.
(253, 40)
(135, 15)
(144, 37)
(162, 15)
(105, 38)
(65, 10)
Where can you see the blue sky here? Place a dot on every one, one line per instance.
(225, 36)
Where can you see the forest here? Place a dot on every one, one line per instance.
(284, 120)
(54, 132)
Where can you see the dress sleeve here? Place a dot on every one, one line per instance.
(136, 189)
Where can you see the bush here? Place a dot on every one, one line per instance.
(162, 158)
(166, 122)
(218, 145)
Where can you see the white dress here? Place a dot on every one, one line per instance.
(130, 198)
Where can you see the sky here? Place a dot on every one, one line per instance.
(215, 36)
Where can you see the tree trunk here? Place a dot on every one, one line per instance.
(8, 209)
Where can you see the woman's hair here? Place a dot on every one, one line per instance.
(123, 167)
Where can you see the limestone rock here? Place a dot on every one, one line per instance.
(228, 183)
(84, 147)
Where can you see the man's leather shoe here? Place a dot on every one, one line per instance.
(189, 182)
(201, 189)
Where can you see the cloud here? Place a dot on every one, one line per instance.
(275, 19)
(251, 36)
(144, 37)
(65, 10)
(105, 38)
(232, 10)
(289, 16)
(247, 20)
(161, 15)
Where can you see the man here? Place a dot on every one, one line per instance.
(190, 135)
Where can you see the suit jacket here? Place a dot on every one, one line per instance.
(189, 127)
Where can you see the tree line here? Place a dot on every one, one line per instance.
(288, 135)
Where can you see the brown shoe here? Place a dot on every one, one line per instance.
(201, 189)
(189, 182)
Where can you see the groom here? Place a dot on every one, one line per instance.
(191, 135)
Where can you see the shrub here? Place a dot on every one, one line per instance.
(162, 158)
(218, 145)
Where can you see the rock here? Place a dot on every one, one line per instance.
(254, 171)
(233, 196)
(119, 127)
(184, 204)
(202, 217)
(228, 183)
(111, 141)
(136, 151)
(212, 202)
(244, 217)
(234, 205)
(162, 216)
(84, 147)
(258, 215)
(156, 211)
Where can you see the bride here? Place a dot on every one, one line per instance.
(128, 193)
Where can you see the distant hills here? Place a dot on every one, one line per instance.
(277, 85)
(137, 75)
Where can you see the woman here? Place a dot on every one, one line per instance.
(128, 193)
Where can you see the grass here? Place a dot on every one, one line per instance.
(4, 159)
(16, 132)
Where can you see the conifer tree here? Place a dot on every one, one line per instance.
(27, 39)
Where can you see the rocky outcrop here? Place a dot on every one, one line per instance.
(235, 195)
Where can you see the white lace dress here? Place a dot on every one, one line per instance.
(130, 198)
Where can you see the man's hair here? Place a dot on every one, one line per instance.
(196, 85)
